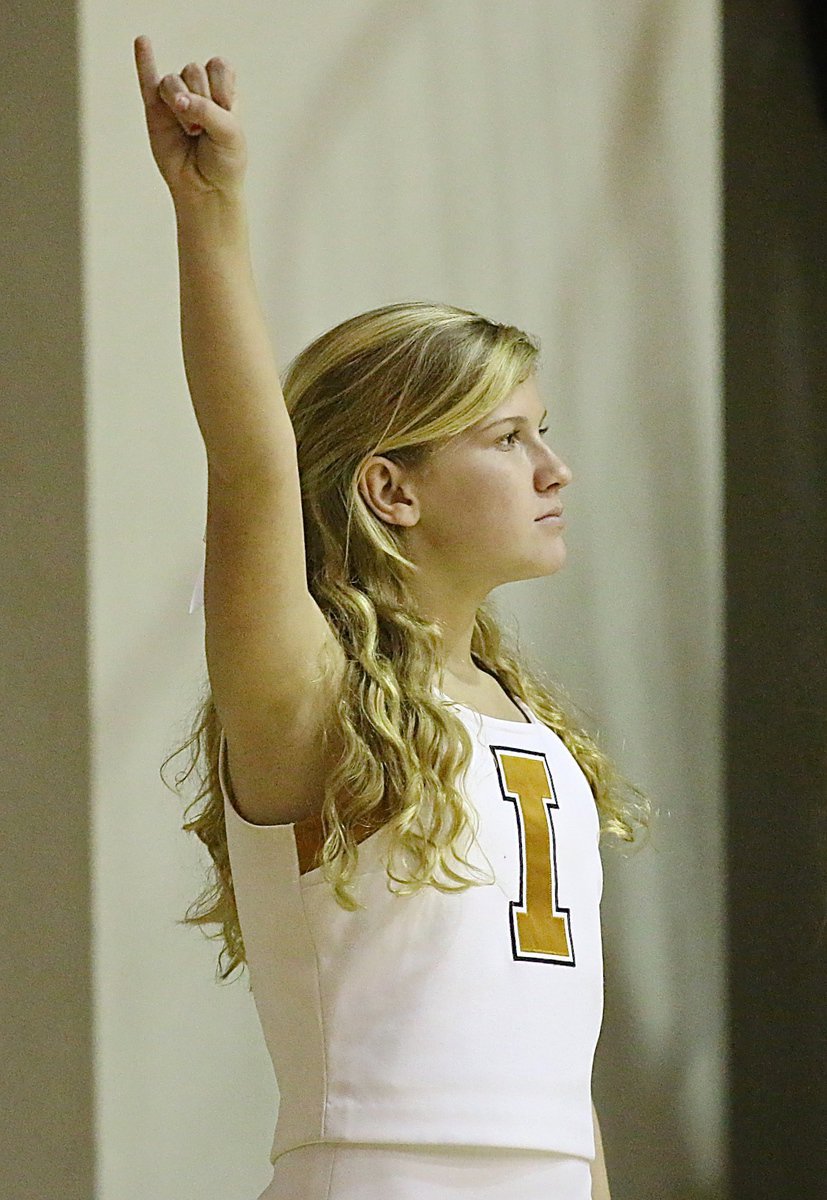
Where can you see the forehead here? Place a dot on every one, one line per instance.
(526, 392)
(524, 401)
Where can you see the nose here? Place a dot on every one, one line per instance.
(559, 469)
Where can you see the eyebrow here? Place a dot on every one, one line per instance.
(512, 421)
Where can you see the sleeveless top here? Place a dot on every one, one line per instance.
(466, 1019)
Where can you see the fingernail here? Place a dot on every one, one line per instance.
(182, 102)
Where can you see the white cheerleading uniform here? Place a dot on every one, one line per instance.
(460, 1021)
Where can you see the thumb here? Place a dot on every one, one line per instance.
(220, 125)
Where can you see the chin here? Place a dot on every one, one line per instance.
(557, 565)
(533, 571)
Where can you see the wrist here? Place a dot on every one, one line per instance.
(198, 208)
(211, 221)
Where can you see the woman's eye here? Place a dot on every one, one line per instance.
(516, 433)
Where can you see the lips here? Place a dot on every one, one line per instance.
(553, 512)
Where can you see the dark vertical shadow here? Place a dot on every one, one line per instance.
(776, 552)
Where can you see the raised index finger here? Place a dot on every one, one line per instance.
(147, 71)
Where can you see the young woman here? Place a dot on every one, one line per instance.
(368, 723)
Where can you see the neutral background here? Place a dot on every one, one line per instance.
(551, 164)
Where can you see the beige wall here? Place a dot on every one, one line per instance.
(551, 164)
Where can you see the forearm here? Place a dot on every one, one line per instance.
(600, 1180)
(230, 367)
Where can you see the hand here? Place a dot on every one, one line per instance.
(199, 148)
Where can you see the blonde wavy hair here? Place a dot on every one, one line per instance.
(400, 381)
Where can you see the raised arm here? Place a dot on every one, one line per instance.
(265, 635)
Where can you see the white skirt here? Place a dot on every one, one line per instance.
(359, 1171)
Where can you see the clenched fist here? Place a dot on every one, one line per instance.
(196, 139)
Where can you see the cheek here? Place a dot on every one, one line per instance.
(482, 503)
(473, 499)
(471, 491)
